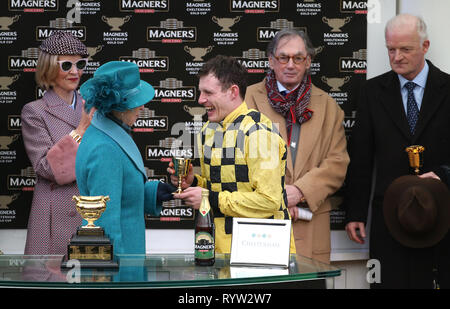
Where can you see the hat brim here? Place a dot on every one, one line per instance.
(144, 94)
(390, 205)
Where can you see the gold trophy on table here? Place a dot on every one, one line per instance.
(181, 167)
(90, 245)
(415, 155)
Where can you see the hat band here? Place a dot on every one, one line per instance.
(126, 95)
(131, 93)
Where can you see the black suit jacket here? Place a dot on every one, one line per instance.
(378, 143)
(444, 174)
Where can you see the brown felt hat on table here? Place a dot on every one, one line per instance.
(417, 211)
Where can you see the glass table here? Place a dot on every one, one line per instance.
(157, 271)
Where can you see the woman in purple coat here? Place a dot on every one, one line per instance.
(52, 128)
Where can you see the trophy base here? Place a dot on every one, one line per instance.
(176, 192)
(92, 264)
(92, 248)
(82, 231)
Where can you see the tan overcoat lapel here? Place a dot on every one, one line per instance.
(309, 132)
(277, 119)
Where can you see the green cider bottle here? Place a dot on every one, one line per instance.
(204, 233)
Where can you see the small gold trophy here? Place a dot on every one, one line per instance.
(89, 244)
(181, 166)
(415, 155)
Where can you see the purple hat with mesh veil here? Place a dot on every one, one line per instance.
(63, 43)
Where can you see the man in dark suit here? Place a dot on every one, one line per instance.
(392, 115)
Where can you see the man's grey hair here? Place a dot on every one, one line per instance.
(408, 19)
(273, 45)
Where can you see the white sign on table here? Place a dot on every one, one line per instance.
(260, 242)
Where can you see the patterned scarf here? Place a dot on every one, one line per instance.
(294, 107)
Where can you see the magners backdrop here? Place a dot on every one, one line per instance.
(169, 40)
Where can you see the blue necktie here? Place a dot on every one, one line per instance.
(412, 111)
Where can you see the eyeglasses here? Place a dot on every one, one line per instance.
(297, 59)
(66, 65)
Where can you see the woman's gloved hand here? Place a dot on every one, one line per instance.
(164, 192)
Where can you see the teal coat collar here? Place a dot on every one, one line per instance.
(121, 137)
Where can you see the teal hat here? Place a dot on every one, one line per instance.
(116, 85)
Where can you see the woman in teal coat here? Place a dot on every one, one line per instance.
(108, 161)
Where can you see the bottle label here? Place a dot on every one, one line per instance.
(204, 209)
(204, 245)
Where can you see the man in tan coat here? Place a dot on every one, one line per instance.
(311, 123)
